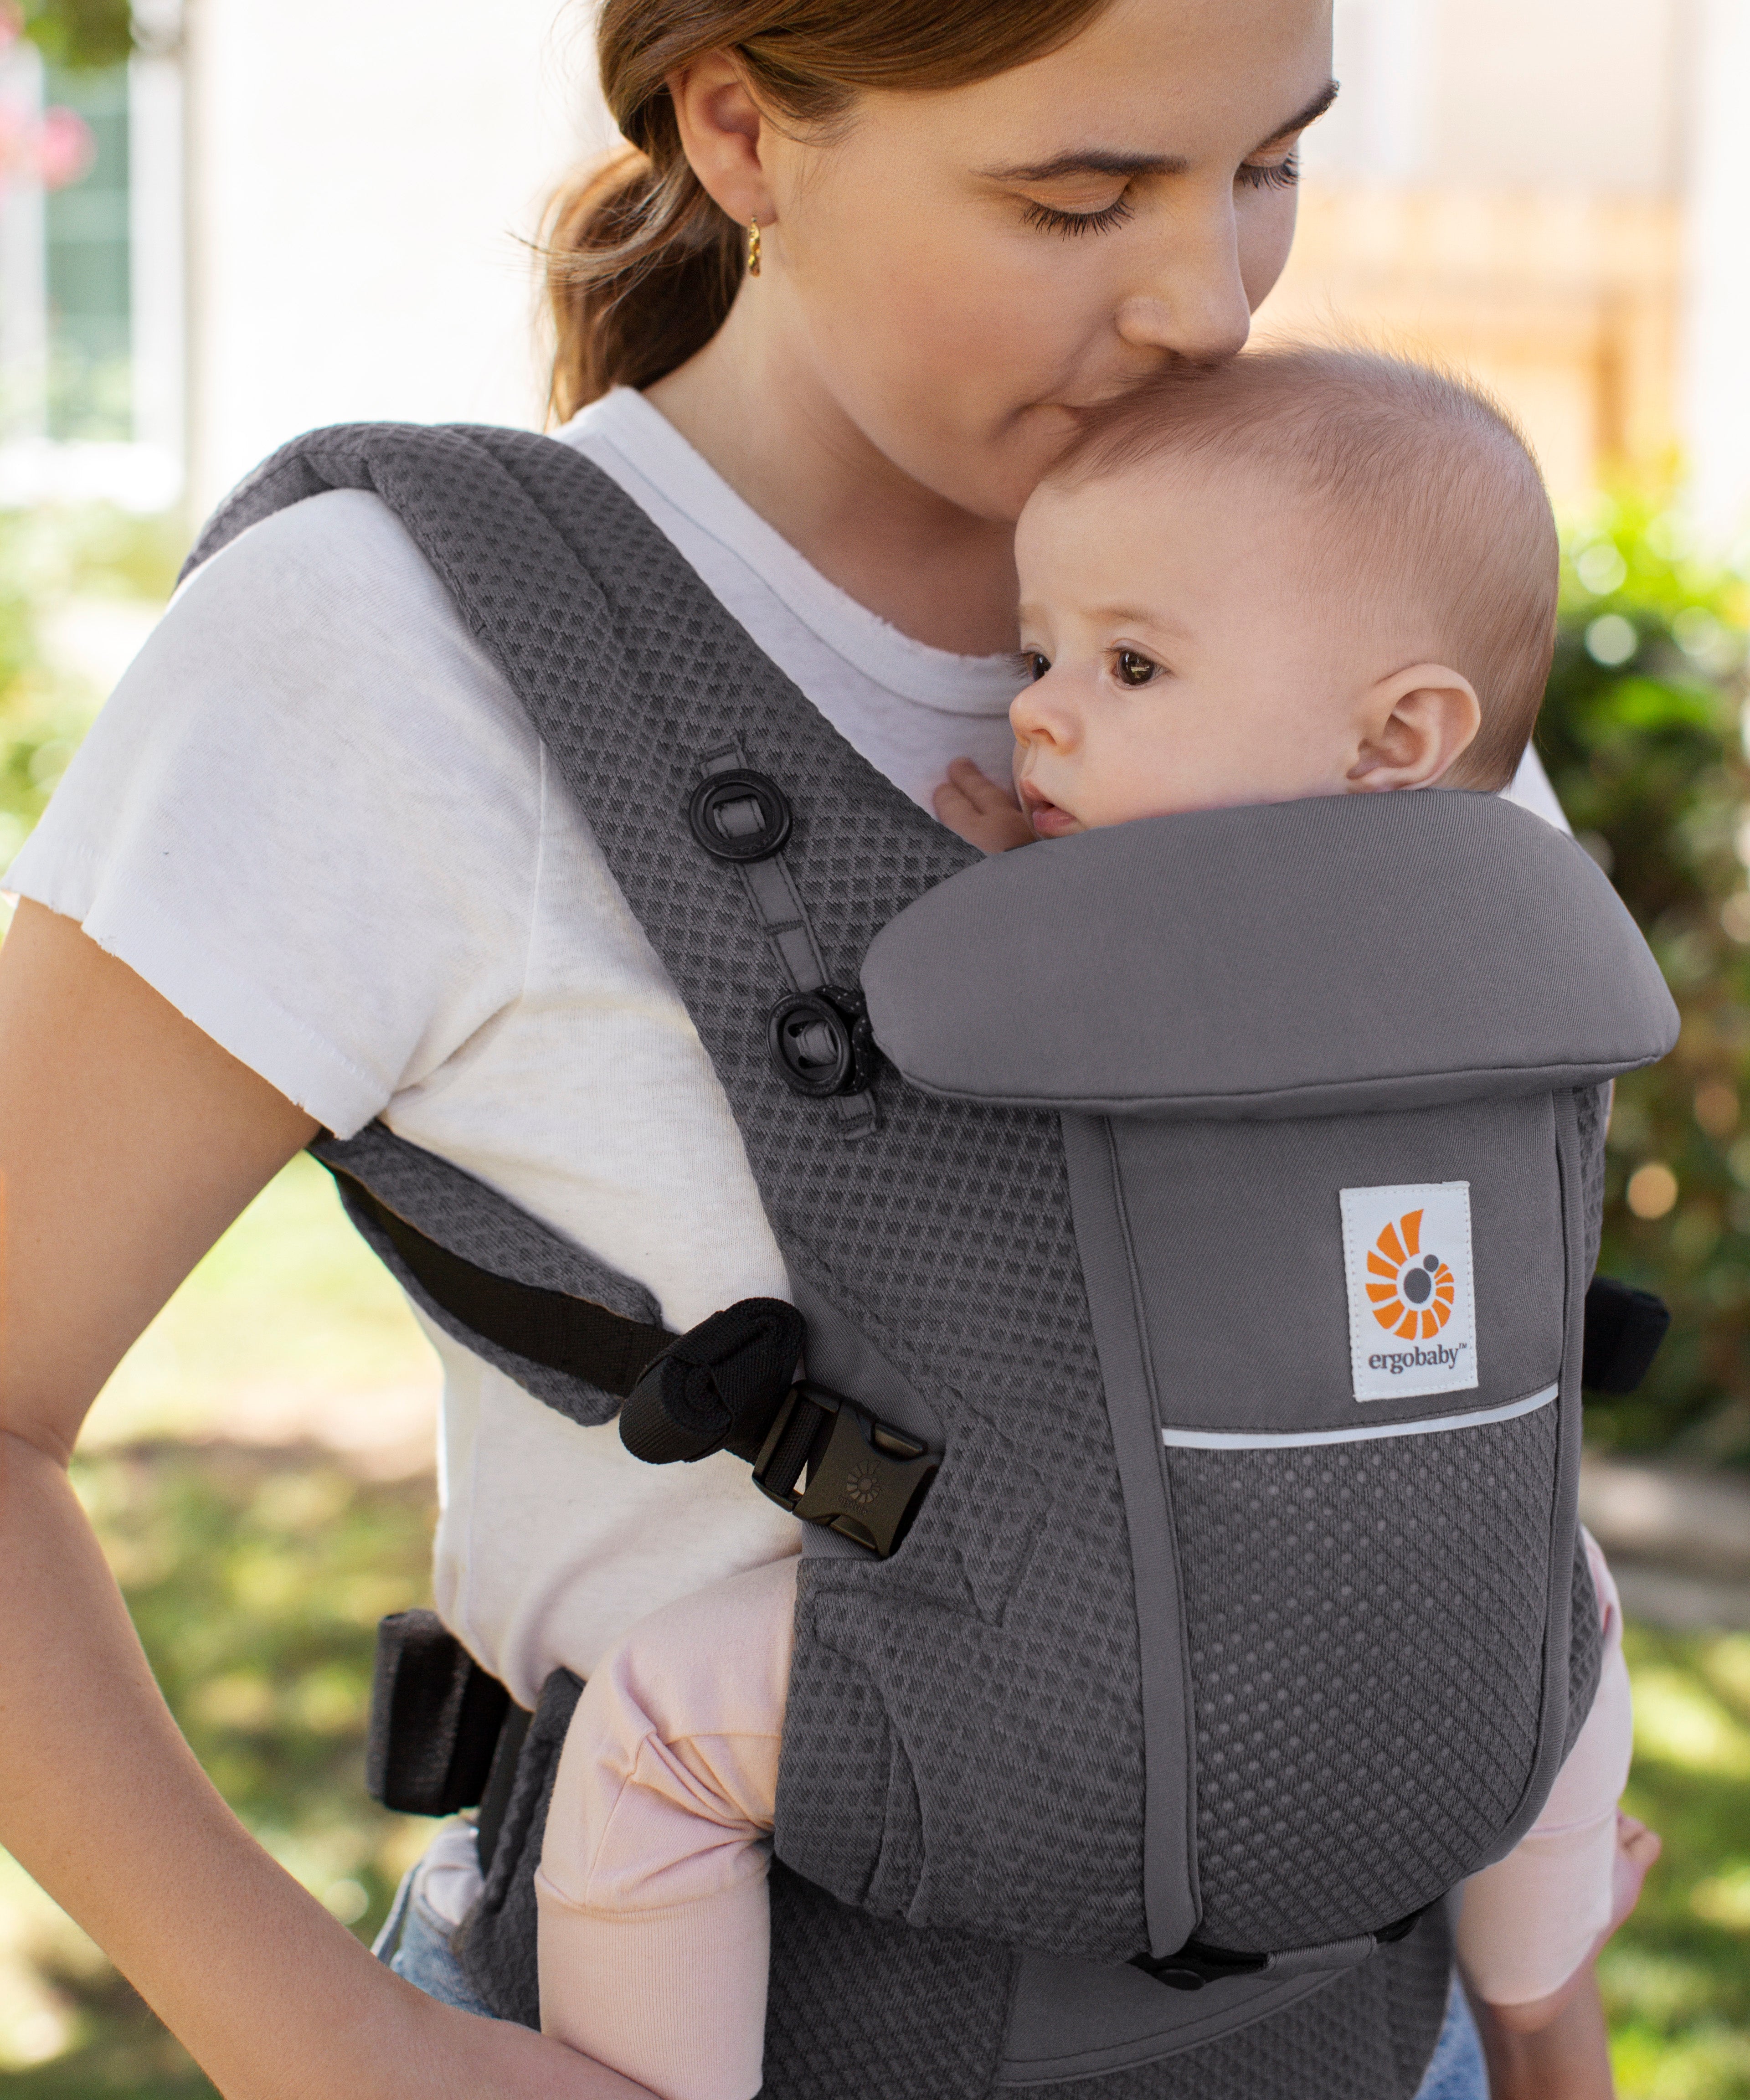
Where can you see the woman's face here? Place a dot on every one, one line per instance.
(954, 273)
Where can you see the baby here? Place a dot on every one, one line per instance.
(1305, 573)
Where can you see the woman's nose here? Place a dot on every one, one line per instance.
(1193, 302)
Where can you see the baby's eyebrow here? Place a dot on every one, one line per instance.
(1140, 616)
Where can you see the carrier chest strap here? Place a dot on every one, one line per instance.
(729, 1383)
(1623, 1329)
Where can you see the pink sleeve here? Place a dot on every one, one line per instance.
(1528, 1922)
(655, 1931)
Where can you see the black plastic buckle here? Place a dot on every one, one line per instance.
(739, 816)
(866, 1479)
(820, 1041)
(1195, 1965)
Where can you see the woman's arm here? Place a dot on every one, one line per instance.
(128, 1142)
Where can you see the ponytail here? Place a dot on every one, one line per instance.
(641, 266)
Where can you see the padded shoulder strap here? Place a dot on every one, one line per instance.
(1347, 952)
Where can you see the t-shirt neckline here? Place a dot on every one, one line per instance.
(937, 678)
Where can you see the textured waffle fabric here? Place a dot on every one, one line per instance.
(963, 1757)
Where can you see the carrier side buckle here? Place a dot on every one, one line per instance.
(866, 1479)
(1195, 1965)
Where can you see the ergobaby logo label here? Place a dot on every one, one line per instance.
(1412, 1296)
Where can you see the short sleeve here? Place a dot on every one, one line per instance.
(310, 813)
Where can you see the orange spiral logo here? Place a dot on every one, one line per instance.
(1412, 1292)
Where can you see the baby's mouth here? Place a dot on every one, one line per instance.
(1049, 819)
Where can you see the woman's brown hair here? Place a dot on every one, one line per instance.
(641, 266)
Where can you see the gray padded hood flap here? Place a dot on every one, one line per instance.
(1347, 952)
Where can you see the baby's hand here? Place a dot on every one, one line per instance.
(973, 806)
(1637, 1849)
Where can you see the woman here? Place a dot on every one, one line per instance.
(875, 260)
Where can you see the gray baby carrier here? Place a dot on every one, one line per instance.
(1192, 1222)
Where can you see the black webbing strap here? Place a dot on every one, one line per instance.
(547, 1327)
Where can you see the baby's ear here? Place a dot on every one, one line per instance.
(1417, 724)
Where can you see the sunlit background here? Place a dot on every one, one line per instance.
(222, 222)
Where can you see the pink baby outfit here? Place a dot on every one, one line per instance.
(655, 1931)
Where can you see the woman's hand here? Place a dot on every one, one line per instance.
(1557, 2048)
(128, 1142)
(976, 809)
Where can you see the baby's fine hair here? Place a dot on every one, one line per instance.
(1443, 523)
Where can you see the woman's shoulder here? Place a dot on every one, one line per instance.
(311, 813)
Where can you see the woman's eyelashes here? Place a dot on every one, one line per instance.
(1049, 219)
(1271, 175)
(1284, 175)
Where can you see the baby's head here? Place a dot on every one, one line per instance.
(1304, 572)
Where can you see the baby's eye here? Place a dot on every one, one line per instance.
(1035, 663)
(1133, 667)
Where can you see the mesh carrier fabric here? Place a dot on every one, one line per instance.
(999, 1649)
(496, 1944)
(1300, 1828)
(982, 1686)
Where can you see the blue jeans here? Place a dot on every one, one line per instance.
(416, 1943)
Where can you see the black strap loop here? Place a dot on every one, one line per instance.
(718, 1387)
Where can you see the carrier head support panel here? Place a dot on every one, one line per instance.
(1328, 1074)
(1207, 1237)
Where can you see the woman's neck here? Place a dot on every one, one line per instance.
(936, 572)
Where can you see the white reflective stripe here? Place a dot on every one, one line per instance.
(1245, 1440)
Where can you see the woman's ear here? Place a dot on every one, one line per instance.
(722, 128)
(1417, 724)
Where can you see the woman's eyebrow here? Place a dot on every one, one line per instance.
(1097, 160)
(1302, 118)
(1087, 160)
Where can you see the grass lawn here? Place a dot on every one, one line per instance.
(258, 1556)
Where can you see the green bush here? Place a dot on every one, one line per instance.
(1643, 734)
(46, 558)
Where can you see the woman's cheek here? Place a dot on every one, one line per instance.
(1266, 231)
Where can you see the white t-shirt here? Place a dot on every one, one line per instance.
(313, 816)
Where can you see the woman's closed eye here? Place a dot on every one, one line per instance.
(1051, 220)
(1271, 175)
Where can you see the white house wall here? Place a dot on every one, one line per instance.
(362, 171)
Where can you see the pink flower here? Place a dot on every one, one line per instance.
(64, 148)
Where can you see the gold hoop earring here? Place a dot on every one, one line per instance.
(753, 248)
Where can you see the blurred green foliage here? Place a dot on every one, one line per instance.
(1677, 1979)
(47, 558)
(256, 1577)
(1642, 732)
(80, 32)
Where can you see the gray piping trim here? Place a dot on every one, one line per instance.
(1223, 1440)
(1103, 1240)
(783, 919)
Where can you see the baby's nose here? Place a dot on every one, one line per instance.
(1039, 714)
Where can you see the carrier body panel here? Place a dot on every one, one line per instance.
(1041, 1741)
